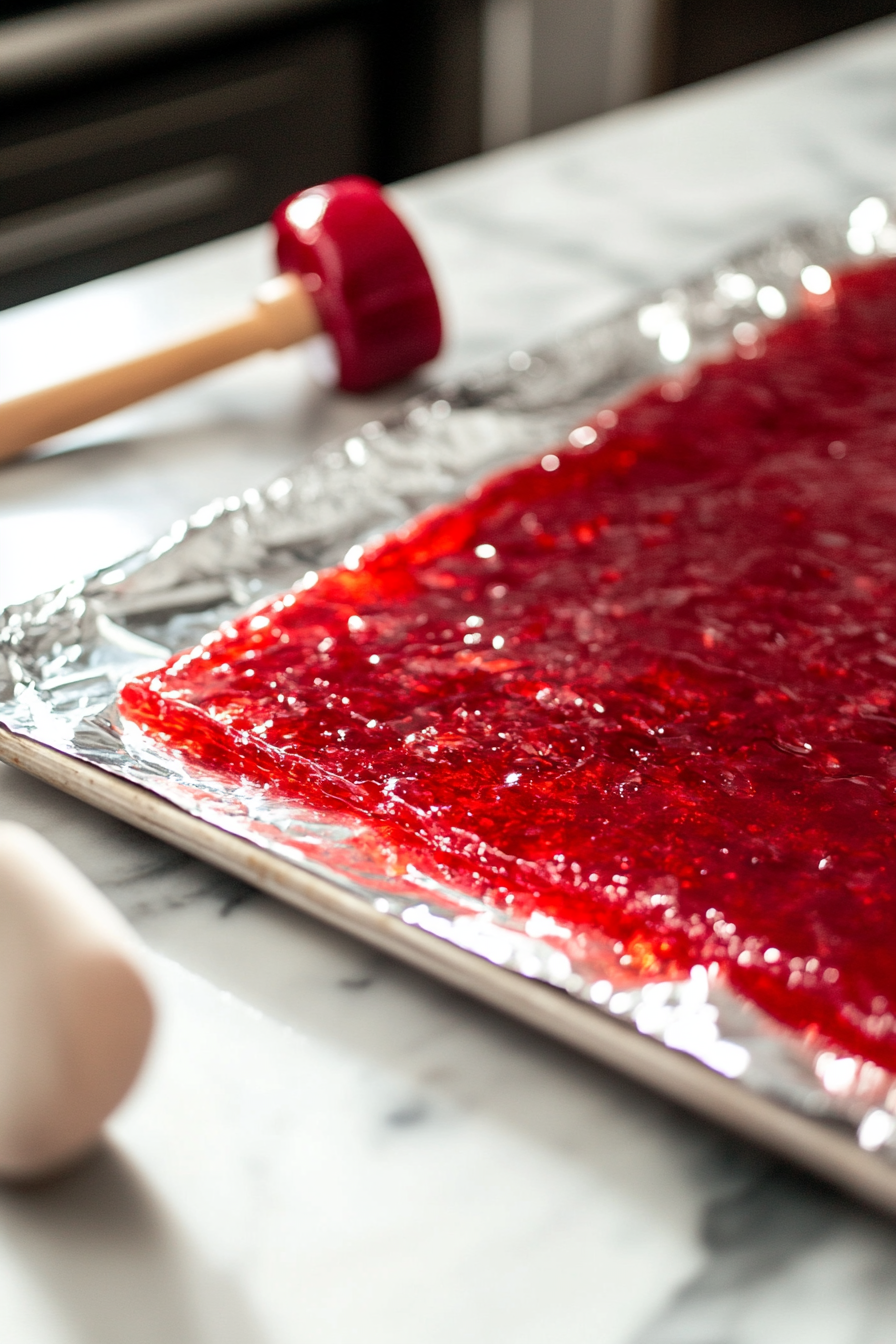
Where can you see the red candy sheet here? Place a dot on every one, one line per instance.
(645, 687)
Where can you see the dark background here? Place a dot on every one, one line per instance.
(148, 141)
(120, 144)
(707, 37)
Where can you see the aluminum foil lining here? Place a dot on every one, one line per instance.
(63, 654)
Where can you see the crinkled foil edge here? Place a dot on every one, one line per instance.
(63, 654)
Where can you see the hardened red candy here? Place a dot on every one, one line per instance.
(366, 276)
(647, 688)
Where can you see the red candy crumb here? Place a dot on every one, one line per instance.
(649, 691)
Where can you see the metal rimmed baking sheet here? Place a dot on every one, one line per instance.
(63, 655)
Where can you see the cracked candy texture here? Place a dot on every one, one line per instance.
(645, 687)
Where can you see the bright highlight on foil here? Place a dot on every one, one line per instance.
(870, 215)
(736, 287)
(815, 279)
(771, 301)
(674, 341)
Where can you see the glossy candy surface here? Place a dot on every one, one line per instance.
(366, 276)
(647, 687)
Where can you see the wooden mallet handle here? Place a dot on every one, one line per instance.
(348, 267)
(284, 313)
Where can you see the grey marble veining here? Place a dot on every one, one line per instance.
(325, 1146)
(786, 1259)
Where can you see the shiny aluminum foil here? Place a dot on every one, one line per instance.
(63, 654)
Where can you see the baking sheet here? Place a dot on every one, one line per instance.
(63, 654)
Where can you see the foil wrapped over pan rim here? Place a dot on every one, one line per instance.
(63, 654)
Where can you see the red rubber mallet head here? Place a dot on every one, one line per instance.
(348, 267)
(366, 276)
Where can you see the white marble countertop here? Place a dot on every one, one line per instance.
(325, 1147)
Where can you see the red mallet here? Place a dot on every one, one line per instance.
(349, 267)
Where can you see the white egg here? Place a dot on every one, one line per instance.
(76, 1015)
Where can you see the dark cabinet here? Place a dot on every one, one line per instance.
(158, 135)
(707, 37)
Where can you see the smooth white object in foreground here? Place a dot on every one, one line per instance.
(75, 1012)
